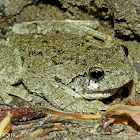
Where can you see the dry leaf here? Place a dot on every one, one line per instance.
(121, 109)
(4, 129)
(67, 115)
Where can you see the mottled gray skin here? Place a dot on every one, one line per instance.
(53, 60)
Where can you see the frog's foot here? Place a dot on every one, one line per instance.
(6, 89)
(75, 26)
(88, 28)
(108, 40)
(78, 27)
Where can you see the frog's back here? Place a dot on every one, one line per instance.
(47, 59)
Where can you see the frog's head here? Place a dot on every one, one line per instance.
(103, 78)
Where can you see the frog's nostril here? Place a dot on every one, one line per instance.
(96, 73)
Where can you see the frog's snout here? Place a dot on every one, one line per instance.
(96, 73)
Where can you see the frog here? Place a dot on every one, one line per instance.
(67, 62)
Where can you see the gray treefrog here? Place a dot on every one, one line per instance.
(68, 62)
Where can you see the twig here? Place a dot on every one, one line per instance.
(14, 14)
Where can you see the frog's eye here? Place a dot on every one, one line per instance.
(96, 73)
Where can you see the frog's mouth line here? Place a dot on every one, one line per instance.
(99, 94)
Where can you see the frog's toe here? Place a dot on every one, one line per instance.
(22, 93)
(6, 98)
(7, 89)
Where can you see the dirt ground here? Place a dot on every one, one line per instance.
(120, 19)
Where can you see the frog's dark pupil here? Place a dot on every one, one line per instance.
(96, 74)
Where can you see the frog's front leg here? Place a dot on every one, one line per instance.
(63, 97)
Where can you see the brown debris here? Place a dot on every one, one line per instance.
(115, 112)
(21, 114)
(17, 13)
